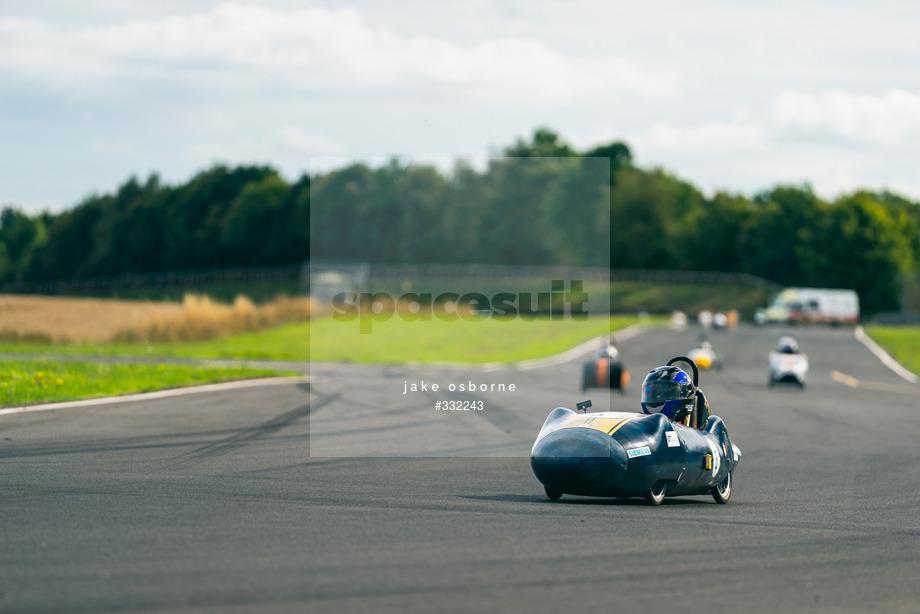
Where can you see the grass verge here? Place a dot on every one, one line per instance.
(902, 342)
(492, 340)
(30, 381)
(394, 341)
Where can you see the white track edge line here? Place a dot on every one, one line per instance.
(886, 358)
(852, 382)
(158, 394)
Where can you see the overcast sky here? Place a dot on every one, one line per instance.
(729, 94)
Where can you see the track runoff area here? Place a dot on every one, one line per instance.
(255, 499)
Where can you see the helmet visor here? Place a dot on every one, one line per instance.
(659, 391)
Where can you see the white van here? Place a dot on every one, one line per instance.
(814, 305)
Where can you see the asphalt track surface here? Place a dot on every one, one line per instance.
(212, 502)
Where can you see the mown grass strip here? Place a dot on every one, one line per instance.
(901, 342)
(491, 340)
(393, 341)
(25, 382)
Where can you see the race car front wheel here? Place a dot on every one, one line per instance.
(656, 494)
(723, 490)
(552, 494)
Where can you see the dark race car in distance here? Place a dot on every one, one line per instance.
(605, 370)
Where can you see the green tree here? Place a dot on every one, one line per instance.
(248, 229)
(194, 215)
(291, 238)
(856, 244)
(649, 212)
(128, 237)
(422, 192)
(619, 155)
(515, 227)
(69, 243)
(539, 202)
(468, 197)
(544, 144)
(772, 239)
(20, 236)
(712, 233)
(342, 221)
(6, 269)
(578, 204)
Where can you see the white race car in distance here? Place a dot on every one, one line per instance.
(787, 364)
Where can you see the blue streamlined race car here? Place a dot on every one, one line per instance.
(651, 455)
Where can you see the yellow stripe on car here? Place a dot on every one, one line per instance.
(602, 424)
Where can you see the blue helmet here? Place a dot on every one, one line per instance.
(668, 391)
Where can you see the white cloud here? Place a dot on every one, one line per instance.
(117, 147)
(890, 119)
(313, 49)
(904, 187)
(754, 159)
(296, 141)
(706, 139)
(289, 147)
(835, 140)
(830, 170)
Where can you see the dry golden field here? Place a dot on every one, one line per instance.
(63, 320)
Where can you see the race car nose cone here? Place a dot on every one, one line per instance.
(579, 461)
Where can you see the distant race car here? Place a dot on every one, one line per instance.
(615, 454)
(678, 320)
(605, 370)
(704, 318)
(705, 357)
(787, 364)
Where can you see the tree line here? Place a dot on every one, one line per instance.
(539, 201)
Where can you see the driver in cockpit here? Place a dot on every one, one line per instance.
(670, 391)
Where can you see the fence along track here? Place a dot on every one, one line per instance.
(299, 274)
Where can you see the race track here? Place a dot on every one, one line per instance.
(212, 502)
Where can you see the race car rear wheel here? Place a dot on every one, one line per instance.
(588, 376)
(723, 490)
(656, 495)
(552, 494)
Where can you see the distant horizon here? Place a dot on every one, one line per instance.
(442, 163)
